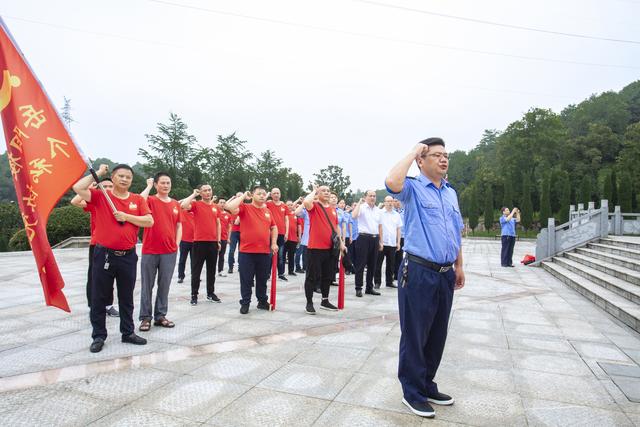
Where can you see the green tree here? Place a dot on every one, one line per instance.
(615, 200)
(333, 176)
(526, 217)
(232, 166)
(626, 190)
(171, 150)
(489, 218)
(607, 191)
(585, 191)
(7, 189)
(545, 200)
(565, 200)
(507, 197)
(629, 157)
(474, 208)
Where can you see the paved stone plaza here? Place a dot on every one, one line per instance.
(523, 349)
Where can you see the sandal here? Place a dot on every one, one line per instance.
(164, 322)
(145, 325)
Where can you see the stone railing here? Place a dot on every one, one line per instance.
(584, 225)
(591, 225)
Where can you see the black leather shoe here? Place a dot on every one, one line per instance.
(359, 293)
(393, 285)
(134, 339)
(244, 308)
(181, 280)
(283, 277)
(96, 345)
(371, 292)
(292, 274)
(264, 305)
(440, 399)
(421, 409)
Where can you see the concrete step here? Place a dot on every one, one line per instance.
(618, 271)
(623, 242)
(623, 261)
(614, 304)
(626, 290)
(615, 250)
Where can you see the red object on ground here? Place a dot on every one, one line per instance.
(274, 278)
(341, 285)
(528, 259)
(43, 158)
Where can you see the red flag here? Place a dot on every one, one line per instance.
(274, 276)
(341, 285)
(43, 158)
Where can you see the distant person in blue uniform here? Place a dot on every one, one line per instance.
(508, 222)
(429, 273)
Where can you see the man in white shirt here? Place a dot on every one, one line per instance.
(368, 244)
(391, 224)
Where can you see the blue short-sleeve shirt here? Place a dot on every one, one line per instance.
(508, 226)
(304, 240)
(432, 220)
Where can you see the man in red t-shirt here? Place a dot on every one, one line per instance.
(259, 240)
(115, 255)
(159, 251)
(206, 240)
(322, 220)
(225, 231)
(293, 238)
(186, 242)
(279, 211)
(77, 201)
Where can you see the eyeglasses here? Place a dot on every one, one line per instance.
(437, 156)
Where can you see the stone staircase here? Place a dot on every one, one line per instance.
(607, 272)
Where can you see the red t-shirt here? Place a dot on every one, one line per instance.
(92, 222)
(255, 229)
(293, 228)
(205, 221)
(225, 218)
(186, 218)
(234, 226)
(279, 212)
(319, 228)
(108, 232)
(161, 238)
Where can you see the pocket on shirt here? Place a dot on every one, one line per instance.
(433, 212)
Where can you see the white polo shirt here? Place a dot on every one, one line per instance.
(390, 222)
(369, 219)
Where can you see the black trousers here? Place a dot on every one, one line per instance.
(90, 279)
(107, 268)
(351, 253)
(280, 242)
(290, 255)
(185, 250)
(234, 240)
(319, 272)
(388, 253)
(399, 256)
(250, 266)
(506, 254)
(367, 249)
(204, 252)
(223, 249)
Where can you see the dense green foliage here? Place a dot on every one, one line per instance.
(588, 151)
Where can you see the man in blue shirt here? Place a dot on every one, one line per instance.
(432, 246)
(508, 235)
(301, 252)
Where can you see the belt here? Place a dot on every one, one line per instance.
(440, 268)
(367, 234)
(117, 252)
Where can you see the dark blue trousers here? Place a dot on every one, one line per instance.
(424, 301)
(252, 266)
(234, 240)
(122, 269)
(506, 253)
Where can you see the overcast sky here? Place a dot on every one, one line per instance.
(345, 82)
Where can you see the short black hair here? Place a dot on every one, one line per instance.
(433, 141)
(122, 166)
(159, 175)
(106, 179)
(257, 187)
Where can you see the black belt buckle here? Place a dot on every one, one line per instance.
(444, 269)
(120, 253)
